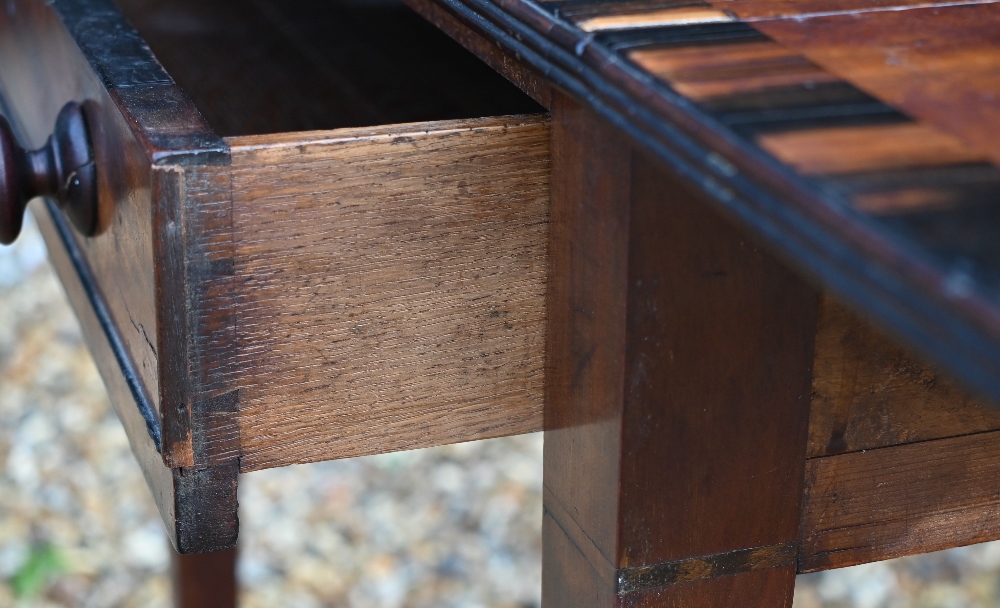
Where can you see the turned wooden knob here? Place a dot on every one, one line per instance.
(63, 169)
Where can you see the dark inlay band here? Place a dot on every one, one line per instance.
(752, 123)
(710, 566)
(679, 35)
(806, 95)
(587, 8)
(972, 176)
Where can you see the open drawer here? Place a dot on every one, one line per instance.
(322, 235)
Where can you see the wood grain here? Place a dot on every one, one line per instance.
(891, 502)
(392, 283)
(197, 299)
(677, 399)
(764, 10)
(868, 392)
(695, 282)
(897, 272)
(585, 335)
(706, 71)
(949, 190)
(937, 64)
(834, 151)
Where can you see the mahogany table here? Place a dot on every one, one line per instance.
(744, 273)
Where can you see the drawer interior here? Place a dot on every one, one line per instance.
(267, 66)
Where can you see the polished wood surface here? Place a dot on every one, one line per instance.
(580, 525)
(707, 72)
(867, 148)
(62, 169)
(771, 9)
(936, 62)
(677, 400)
(679, 15)
(392, 286)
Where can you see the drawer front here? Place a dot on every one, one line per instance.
(129, 284)
(141, 127)
(42, 69)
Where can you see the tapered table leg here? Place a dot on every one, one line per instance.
(205, 580)
(679, 369)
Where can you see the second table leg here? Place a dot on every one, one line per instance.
(679, 362)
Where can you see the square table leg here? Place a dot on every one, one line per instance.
(205, 580)
(678, 389)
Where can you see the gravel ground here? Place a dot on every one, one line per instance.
(451, 526)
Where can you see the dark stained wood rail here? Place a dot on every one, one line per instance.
(884, 503)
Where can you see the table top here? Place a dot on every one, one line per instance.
(858, 137)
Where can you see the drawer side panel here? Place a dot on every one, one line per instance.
(392, 284)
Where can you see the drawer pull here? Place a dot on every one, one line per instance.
(63, 169)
